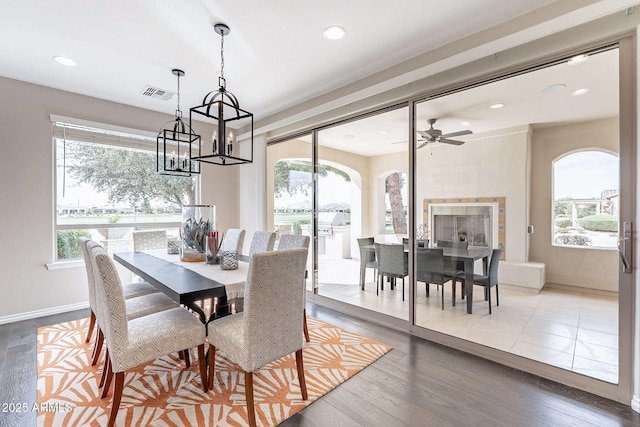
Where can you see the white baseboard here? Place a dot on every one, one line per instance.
(635, 403)
(41, 313)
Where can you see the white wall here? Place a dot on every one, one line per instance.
(27, 214)
(251, 215)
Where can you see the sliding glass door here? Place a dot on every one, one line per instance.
(363, 200)
(514, 182)
(527, 170)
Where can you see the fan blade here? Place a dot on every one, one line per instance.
(398, 142)
(422, 145)
(450, 141)
(460, 133)
(424, 134)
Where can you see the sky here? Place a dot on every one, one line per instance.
(585, 175)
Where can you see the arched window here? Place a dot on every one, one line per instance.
(586, 199)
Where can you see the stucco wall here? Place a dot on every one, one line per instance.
(26, 192)
(588, 268)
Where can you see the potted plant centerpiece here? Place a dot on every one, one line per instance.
(197, 222)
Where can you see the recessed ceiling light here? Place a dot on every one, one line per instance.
(496, 106)
(334, 32)
(348, 136)
(553, 88)
(580, 91)
(383, 132)
(65, 61)
(466, 124)
(578, 59)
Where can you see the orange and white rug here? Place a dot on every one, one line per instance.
(164, 393)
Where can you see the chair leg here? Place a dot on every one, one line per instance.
(107, 381)
(203, 368)
(248, 390)
(187, 359)
(304, 325)
(117, 396)
(497, 296)
(92, 322)
(442, 296)
(105, 369)
(453, 291)
(488, 293)
(403, 289)
(97, 347)
(212, 365)
(301, 380)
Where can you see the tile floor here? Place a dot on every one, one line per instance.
(577, 331)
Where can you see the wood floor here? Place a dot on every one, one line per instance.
(418, 383)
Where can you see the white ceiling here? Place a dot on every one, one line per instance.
(524, 104)
(275, 55)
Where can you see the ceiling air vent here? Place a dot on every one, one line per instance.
(155, 93)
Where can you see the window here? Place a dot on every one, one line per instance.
(107, 187)
(586, 200)
(395, 192)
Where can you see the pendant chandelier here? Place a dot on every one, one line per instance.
(222, 109)
(176, 143)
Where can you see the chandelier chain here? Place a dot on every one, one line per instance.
(178, 76)
(222, 55)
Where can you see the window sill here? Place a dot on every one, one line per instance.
(59, 265)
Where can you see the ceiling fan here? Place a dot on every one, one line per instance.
(432, 135)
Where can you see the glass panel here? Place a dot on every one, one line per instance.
(289, 179)
(362, 194)
(514, 184)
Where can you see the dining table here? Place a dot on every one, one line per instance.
(189, 283)
(468, 257)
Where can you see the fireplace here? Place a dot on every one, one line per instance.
(479, 221)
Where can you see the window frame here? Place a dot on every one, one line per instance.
(117, 137)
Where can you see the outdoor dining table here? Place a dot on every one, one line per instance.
(468, 257)
(188, 283)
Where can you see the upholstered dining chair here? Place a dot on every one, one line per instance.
(138, 305)
(490, 280)
(367, 258)
(233, 240)
(431, 268)
(392, 263)
(259, 336)
(451, 266)
(131, 291)
(262, 241)
(297, 241)
(149, 239)
(131, 343)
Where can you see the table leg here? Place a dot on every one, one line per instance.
(468, 283)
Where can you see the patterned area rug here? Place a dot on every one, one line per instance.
(164, 393)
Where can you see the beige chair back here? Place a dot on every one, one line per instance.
(263, 241)
(144, 240)
(233, 240)
(293, 241)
